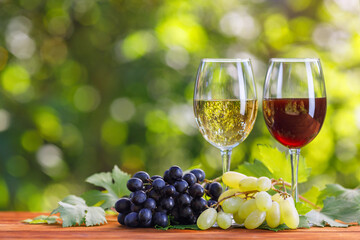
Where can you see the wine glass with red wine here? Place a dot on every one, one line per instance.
(294, 105)
(225, 103)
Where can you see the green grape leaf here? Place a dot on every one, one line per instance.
(321, 220)
(71, 215)
(99, 198)
(113, 182)
(279, 165)
(303, 223)
(281, 227)
(312, 194)
(341, 209)
(337, 190)
(94, 216)
(74, 211)
(120, 181)
(302, 208)
(340, 204)
(73, 200)
(255, 169)
(181, 227)
(42, 219)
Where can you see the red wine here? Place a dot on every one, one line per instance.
(294, 122)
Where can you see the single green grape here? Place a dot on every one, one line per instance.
(255, 219)
(224, 220)
(288, 213)
(238, 219)
(246, 208)
(263, 201)
(232, 205)
(273, 215)
(263, 184)
(207, 219)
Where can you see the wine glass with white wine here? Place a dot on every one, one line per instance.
(225, 103)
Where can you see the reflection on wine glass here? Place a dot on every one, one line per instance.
(294, 105)
(225, 103)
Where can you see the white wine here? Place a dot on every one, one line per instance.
(225, 123)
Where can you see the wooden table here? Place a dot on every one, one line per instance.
(11, 227)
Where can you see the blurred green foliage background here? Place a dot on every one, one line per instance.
(86, 84)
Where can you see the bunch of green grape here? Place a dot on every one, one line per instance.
(248, 202)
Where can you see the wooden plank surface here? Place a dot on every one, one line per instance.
(12, 228)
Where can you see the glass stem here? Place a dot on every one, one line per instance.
(226, 156)
(294, 159)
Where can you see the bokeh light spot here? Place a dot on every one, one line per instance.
(50, 159)
(71, 73)
(157, 121)
(86, 98)
(182, 31)
(183, 116)
(5, 120)
(48, 123)
(345, 149)
(177, 57)
(54, 51)
(239, 24)
(49, 156)
(15, 80)
(277, 31)
(114, 133)
(21, 45)
(57, 21)
(137, 45)
(31, 140)
(72, 139)
(122, 109)
(90, 16)
(18, 40)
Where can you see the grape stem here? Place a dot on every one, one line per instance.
(234, 195)
(218, 179)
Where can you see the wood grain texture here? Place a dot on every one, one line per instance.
(11, 227)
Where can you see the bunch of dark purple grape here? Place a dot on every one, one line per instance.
(176, 197)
